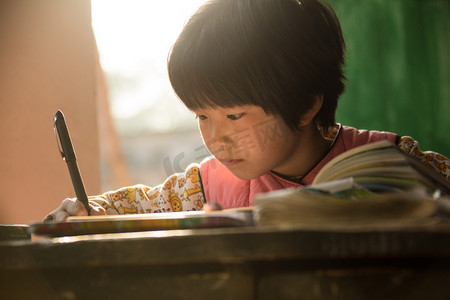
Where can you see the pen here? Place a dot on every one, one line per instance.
(68, 154)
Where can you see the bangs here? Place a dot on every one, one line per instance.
(210, 65)
(199, 88)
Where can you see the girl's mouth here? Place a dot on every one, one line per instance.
(230, 162)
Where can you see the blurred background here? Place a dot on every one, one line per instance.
(103, 62)
(157, 134)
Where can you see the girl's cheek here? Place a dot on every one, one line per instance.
(205, 136)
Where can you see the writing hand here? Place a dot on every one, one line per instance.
(72, 207)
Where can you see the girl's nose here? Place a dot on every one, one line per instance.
(220, 139)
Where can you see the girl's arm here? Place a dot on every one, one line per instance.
(180, 192)
(438, 162)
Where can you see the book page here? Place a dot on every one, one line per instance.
(386, 165)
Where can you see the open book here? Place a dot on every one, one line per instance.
(144, 222)
(375, 184)
(381, 166)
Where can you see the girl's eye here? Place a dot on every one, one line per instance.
(201, 117)
(235, 117)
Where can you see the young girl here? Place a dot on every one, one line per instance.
(263, 78)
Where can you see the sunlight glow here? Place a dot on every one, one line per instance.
(134, 38)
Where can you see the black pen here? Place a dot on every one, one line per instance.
(68, 154)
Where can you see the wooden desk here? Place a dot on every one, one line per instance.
(233, 263)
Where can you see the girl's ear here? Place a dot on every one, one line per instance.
(312, 112)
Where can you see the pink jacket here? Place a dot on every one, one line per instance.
(221, 186)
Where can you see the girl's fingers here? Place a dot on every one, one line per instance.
(60, 216)
(97, 210)
(73, 207)
(69, 207)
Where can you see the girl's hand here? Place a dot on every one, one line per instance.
(72, 207)
(212, 206)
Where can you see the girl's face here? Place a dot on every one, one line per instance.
(248, 141)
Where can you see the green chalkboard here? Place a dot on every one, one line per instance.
(398, 66)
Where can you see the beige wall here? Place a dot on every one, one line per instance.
(47, 62)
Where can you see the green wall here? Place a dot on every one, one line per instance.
(398, 66)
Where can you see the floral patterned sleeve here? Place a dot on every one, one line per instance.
(180, 192)
(438, 162)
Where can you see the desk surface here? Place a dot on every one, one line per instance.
(233, 263)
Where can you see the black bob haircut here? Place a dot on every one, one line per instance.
(276, 54)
